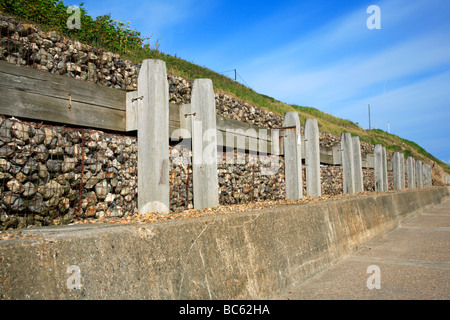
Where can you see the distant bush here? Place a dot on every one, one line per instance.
(101, 31)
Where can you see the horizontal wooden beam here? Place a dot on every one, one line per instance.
(39, 95)
(39, 107)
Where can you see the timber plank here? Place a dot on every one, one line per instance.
(38, 107)
(59, 86)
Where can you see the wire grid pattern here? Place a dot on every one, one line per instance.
(53, 174)
(246, 178)
(180, 178)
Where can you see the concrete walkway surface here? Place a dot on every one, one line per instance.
(410, 262)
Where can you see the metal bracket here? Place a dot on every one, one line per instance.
(284, 128)
(189, 114)
(138, 98)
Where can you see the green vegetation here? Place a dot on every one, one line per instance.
(119, 37)
(101, 31)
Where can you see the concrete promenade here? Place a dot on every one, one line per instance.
(413, 262)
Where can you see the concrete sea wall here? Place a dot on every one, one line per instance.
(235, 256)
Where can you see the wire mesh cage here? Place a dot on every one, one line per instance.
(247, 177)
(53, 174)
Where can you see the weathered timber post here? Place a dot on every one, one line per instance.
(427, 175)
(131, 110)
(348, 170)
(411, 172)
(430, 176)
(419, 174)
(186, 119)
(378, 168)
(275, 135)
(396, 167)
(292, 156)
(262, 143)
(402, 171)
(153, 137)
(204, 145)
(312, 158)
(385, 175)
(357, 165)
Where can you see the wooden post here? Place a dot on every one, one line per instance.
(397, 171)
(131, 110)
(204, 145)
(153, 137)
(384, 168)
(312, 158)
(348, 171)
(411, 172)
(430, 176)
(292, 156)
(275, 143)
(402, 171)
(419, 174)
(357, 165)
(186, 119)
(378, 168)
(426, 175)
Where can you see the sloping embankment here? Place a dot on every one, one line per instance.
(234, 256)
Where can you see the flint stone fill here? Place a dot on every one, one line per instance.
(20, 131)
(42, 180)
(102, 189)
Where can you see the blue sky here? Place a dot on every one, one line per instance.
(317, 53)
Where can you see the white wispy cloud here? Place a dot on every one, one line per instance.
(159, 15)
(151, 16)
(413, 106)
(338, 66)
(283, 76)
(403, 71)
